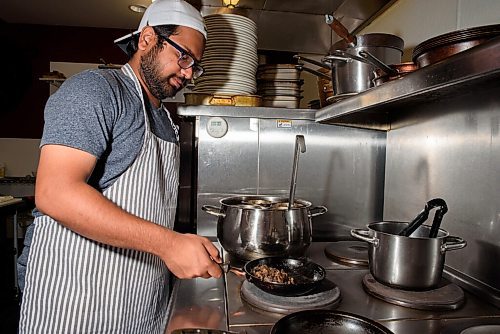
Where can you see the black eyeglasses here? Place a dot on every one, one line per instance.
(186, 60)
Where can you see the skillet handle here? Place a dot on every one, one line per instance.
(452, 243)
(213, 210)
(322, 211)
(362, 234)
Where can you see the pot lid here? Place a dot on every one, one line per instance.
(371, 40)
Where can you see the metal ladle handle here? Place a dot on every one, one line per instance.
(300, 146)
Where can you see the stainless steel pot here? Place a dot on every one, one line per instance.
(409, 263)
(352, 73)
(252, 227)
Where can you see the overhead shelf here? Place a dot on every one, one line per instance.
(474, 69)
(57, 82)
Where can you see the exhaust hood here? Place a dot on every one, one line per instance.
(298, 25)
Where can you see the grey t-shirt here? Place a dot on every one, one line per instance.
(100, 112)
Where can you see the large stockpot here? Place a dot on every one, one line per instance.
(409, 263)
(252, 227)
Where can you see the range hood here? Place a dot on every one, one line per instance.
(298, 25)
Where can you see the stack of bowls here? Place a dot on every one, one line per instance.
(279, 85)
(230, 58)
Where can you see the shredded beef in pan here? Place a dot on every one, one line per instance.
(272, 275)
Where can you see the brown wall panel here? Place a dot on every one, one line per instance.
(27, 51)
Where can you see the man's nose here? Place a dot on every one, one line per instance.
(187, 73)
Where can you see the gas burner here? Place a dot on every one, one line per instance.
(350, 253)
(483, 329)
(483, 325)
(326, 295)
(448, 296)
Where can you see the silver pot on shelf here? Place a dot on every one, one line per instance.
(353, 59)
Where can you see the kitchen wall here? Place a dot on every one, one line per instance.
(448, 148)
(417, 21)
(19, 155)
(32, 49)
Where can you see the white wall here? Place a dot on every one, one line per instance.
(416, 21)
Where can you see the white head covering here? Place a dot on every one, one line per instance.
(167, 12)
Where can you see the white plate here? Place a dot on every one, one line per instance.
(231, 49)
(230, 39)
(231, 31)
(229, 18)
(219, 80)
(225, 78)
(228, 61)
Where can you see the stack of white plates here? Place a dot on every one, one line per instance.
(279, 85)
(230, 58)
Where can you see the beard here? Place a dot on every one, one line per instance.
(150, 70)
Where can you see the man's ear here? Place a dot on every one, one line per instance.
(146, 38)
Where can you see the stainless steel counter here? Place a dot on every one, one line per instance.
(217, 304)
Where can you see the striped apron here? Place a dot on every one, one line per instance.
(76, 285)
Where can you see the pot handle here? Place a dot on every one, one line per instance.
(316, 73)
(362, 234)
(452, 243)
(312, 61)
(339, 55)
(322, 211)
(213, 210)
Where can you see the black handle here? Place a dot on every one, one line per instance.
(424, 214)
(438, 217)
(416, 222)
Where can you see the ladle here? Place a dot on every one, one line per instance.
(300, 145)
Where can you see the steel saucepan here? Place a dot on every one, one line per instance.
(327, 321)
(351, 73)
(402, 69)
(409, 263)
(306, 275)
(254, 226)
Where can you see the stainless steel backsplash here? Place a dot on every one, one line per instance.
(342, 169)
(448, 148)
(454, 155)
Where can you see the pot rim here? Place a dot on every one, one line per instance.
(273, 198)
(369, 226)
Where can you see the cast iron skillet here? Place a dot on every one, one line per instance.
(307, 275)
(327, 322)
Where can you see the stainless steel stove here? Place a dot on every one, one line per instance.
(221, 304)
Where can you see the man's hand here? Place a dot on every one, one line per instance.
(190, 255)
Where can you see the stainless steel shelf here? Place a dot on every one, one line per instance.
(463, 73)
(252, 112)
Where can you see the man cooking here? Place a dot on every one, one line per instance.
(106, 190)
